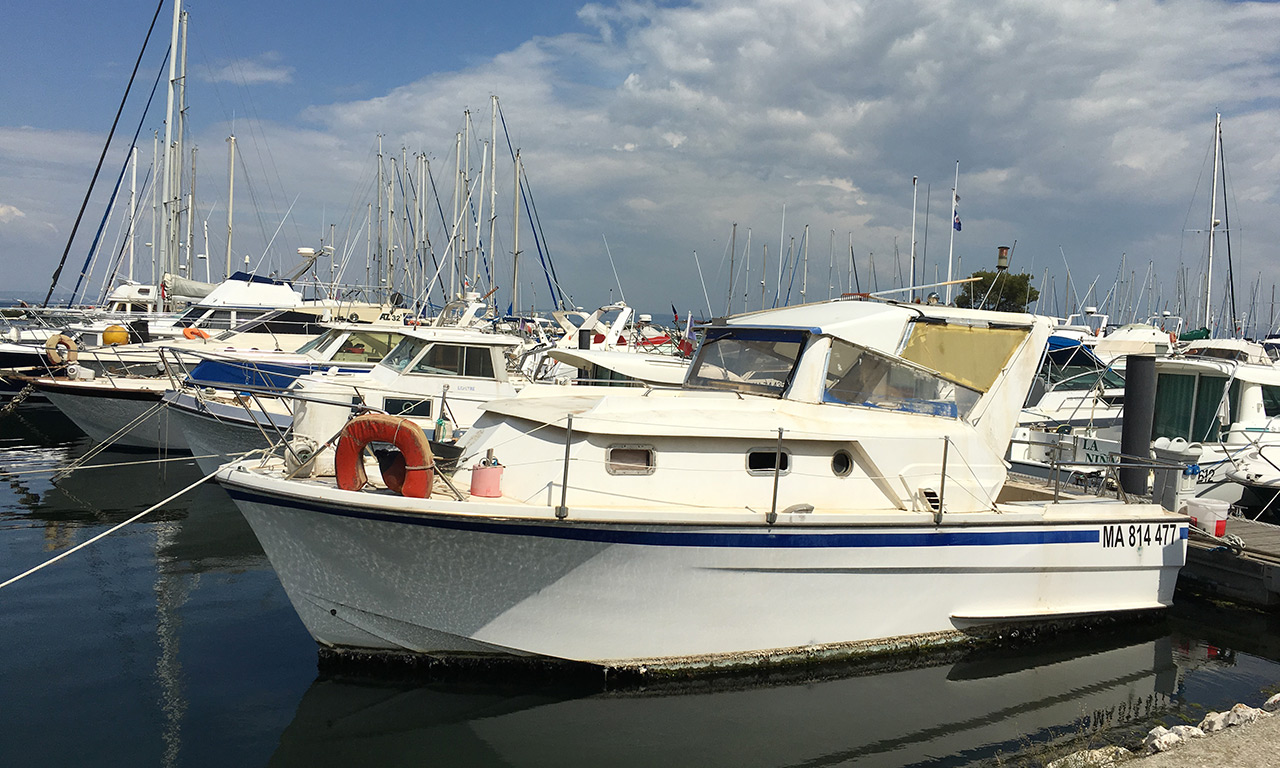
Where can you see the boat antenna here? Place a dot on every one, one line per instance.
(705, 296)
(615, 268)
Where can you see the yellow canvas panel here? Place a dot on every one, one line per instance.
(965, 354)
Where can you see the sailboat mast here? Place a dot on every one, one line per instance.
(493, 185)
(231, 195)
(166, 192)
(133, 202)
(1213, 221)
(515, 242)
(915, 192)
(955, 200)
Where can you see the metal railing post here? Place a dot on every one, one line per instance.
(562, 511)
(777, 472)
(942, 485)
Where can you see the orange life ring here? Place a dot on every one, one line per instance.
(412, 475)
(56, 355)
(1173, 337)
(195, 333)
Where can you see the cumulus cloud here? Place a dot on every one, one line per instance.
(264, 69)
(1081, 128)
(8, 213)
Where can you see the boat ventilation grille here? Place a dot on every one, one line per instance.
(929, 500)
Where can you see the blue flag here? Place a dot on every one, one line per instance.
(956, 224)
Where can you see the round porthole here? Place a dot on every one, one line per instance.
(841, 463)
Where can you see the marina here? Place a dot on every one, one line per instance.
(365, 453)
(178, 627)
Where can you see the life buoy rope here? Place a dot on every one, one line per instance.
(55, 354)
(195, 333)
(411, 474)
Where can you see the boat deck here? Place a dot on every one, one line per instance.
(1250, 575)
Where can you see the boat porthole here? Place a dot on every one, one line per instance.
(841, 463)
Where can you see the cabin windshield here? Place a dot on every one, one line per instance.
(859, 376)
(404, 353)
(754, 360)
(321, 341)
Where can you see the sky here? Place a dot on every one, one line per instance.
(664, 143)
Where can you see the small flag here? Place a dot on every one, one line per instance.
(956, 223)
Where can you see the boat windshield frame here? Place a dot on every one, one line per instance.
(742, 354)
(398, 359)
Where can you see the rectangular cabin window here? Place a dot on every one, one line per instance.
(218, 320)
(1193, 407)
(454, 360)
(629, 460)
(762, 461)
(401, 406)
(478, 362)
(1270, 400)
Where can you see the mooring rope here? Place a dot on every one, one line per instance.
(107, 532)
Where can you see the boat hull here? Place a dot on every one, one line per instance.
(133, 419)
(371, 572)
(217, 432)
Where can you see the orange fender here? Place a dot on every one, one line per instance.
(412, 475)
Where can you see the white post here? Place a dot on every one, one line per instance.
(955, 198)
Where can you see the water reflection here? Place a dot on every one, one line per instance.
(990, 702)
(208, 662)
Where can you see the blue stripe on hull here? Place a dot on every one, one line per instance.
(609, 534)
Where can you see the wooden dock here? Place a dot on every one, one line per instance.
(1248, 575)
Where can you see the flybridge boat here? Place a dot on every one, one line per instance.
(828, 481)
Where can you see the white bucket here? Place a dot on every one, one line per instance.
(1209, 515)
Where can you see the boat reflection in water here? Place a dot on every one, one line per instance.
(991, 702)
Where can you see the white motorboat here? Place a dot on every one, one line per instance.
(827, 482)
(1221, 398)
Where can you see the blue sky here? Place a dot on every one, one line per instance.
(1083, 131)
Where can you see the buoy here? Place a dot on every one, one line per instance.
(195, 333)
(115, 334)
(412, 474)
(54, 345)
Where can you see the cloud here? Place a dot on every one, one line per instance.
(8, 213)
(263, 69)
(1083, 125)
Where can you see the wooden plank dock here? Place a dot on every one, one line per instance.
(1248, 574)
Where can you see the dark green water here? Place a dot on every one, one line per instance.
(170, 643)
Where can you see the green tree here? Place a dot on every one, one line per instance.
(1012, 291)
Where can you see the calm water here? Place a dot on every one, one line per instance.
(171, 643)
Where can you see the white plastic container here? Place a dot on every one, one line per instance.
(1209, 515)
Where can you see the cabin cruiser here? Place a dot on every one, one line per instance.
(829, 480)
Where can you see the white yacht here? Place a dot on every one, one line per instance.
(828, 481)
